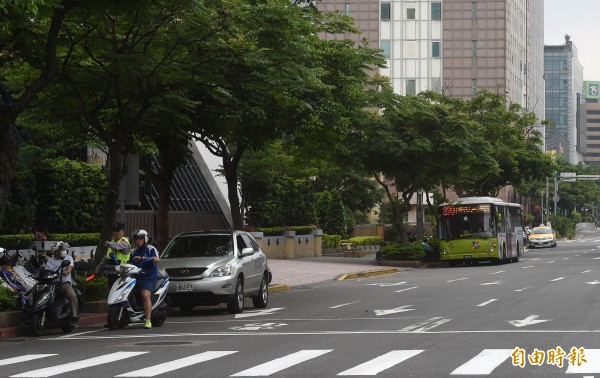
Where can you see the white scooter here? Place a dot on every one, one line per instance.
(125, 303)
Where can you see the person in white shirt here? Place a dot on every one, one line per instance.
(59, 253)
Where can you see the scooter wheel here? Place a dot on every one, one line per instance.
(116, 317)
(37, 323)
(159, 318)
(67, 327)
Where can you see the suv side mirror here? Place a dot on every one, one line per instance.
(247, 251)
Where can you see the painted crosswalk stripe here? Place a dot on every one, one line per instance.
(381, 363)
(279, 364)
(484, 363)
(176, 364)
(27, 357)
(72, 366)
(592, 356)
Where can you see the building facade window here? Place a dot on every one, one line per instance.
(410, 14)
(347, 9)
(411, 87)
(474, 49)
(473, 87)
(435, 49)
(473, 10)
(384, 44)
(385, 11)
(436, 11)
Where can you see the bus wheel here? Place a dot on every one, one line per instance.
(516, 259)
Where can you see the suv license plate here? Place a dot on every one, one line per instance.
(183, 287)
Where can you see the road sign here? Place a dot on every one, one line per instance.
(568, 176)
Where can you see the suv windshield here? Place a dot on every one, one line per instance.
(199, 246)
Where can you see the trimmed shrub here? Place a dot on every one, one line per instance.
(94, 290)
(8, 299)
(365, 240)
(403, 252)
(331, 241)
(276, 231)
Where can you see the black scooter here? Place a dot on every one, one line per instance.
(46, 308)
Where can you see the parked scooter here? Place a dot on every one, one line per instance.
(10, 280)
(125, 303)
(46, 308)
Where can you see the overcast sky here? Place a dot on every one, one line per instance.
(579, 19)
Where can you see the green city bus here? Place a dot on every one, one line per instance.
(480, 229)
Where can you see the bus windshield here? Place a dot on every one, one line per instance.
(466, 221)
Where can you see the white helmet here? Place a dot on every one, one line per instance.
(60, 246)
(139, 234)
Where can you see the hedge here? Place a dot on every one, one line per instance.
(365, 240)
(74, 240)
(403, 252)
(331, 241)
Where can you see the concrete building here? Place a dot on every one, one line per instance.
(456, 46)
(564, 85)
(590, 135)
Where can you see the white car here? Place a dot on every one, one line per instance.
(206, 268)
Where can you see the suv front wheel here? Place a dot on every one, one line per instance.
(236, 302)
(262, 299)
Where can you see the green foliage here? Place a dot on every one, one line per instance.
(95, 290)
(70, 197)
(403, 251)
(331, 213)
(74, 240)
(331, 241)
(8, 300)
(576, 216)
(564, 227)
(365, 240)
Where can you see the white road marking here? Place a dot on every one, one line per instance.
(282, 363)
(385, 284)
(258, 326)
(550, 262)
(492, 283)
(394, 310)
(592, 365)
(596, 258)
(247, 314)
(344, 304)
(557, 279)
(408, 288)
(486, 303)
(594, 282)
(527, 267)
(586, 271)
(27, 357)
(65, 368)
(381, 363)
(425, 325)
(500, 271)
(525, 288)
(176, 364)
(530, 320)
(484, 363)
(458, 279)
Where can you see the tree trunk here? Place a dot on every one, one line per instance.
(9, 148)
(116, 160)
(163, 178)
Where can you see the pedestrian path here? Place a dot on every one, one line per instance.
(486, 362)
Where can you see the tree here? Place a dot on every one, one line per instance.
(29, 36)
(279, 80)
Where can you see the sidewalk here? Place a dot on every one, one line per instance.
(286, 275)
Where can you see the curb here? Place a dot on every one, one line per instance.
(85, 320)
(368, 273)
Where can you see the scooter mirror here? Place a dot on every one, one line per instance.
(65, 263)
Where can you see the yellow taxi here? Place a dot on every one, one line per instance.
(542, 236)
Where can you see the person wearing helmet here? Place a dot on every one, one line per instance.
(59, 253)
(119, 247)
(145, 256)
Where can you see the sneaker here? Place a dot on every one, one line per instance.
(148, 324)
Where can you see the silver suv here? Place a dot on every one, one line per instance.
(206, 268)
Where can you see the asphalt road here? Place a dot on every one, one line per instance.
(535, 318)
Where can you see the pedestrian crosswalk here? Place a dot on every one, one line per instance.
(485, 362)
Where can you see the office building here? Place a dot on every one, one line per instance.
(564, 85)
